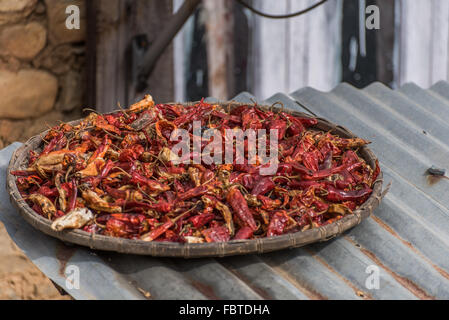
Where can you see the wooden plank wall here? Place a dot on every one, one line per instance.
(285, 54)
(117, 22)
(304, 51)
(385, 42)
(422, 42)
(292, 53)
(220, 47)
(180, 55)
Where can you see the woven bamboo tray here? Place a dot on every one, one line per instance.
(194, 250)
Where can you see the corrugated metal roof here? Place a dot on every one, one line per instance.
(407, 237)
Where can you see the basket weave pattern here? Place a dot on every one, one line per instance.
(193, 250)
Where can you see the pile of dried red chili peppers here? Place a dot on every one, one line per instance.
(111, 175)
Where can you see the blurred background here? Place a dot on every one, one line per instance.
(224, 48)
(50, 70)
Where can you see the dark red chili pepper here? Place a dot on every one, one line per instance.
(243, 233)
(240, 207)
(354, 166)
(175, 170)
(107, 168)
(250, 120)
(311, 161)
(157, 232)
(264, 114)
(169, 110)
(350, 204)
(279, 125)
(301, 169)
(32, 157)
(286, 150)
(154, 185)
(320, 206)
(308, 122)
(23, 173)
(324, 173)
(207, 176)
(179, 188)
(119, 228)
(238, 111)
(245, 167)
(303, 184)
(112, 119)
(216, 234)
(129, 167)
(349, 157)
(25, 182)
(327, 162)
(48, 192)
(336, 195)
(116, 193)
(202, 219)
(51, 146)
(38, 209)
(72, 195)
(263, 186)
(131, 154)
(163, 206)
(101, 150)
(133, 204)
(225, 116)
(285, 169)
(346, 182)
(268, 203)
(92, 228)
(245, 179)
(278, 223)
(193, 193)
(296, 127)
(135, 219)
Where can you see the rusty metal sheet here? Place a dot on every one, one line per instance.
(407, 238)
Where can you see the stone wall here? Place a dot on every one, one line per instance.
(41, 67)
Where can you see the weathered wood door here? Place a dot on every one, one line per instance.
(116, 23)
(422, 42)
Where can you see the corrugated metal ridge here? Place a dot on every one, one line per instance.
(414, 214)
(288, 103)
(406, 238)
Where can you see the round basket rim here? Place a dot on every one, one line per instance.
(196, 250)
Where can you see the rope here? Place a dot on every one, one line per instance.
(286, 16)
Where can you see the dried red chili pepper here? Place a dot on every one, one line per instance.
(216, 234)
(335, 195)
(157, 232)
(263, 186)
(240, 208)
(277, 224)
(201, 219)
(193, 193)
(51, 146)
(279, 125)
(72, 195)
(243, 233)
(153, 185)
